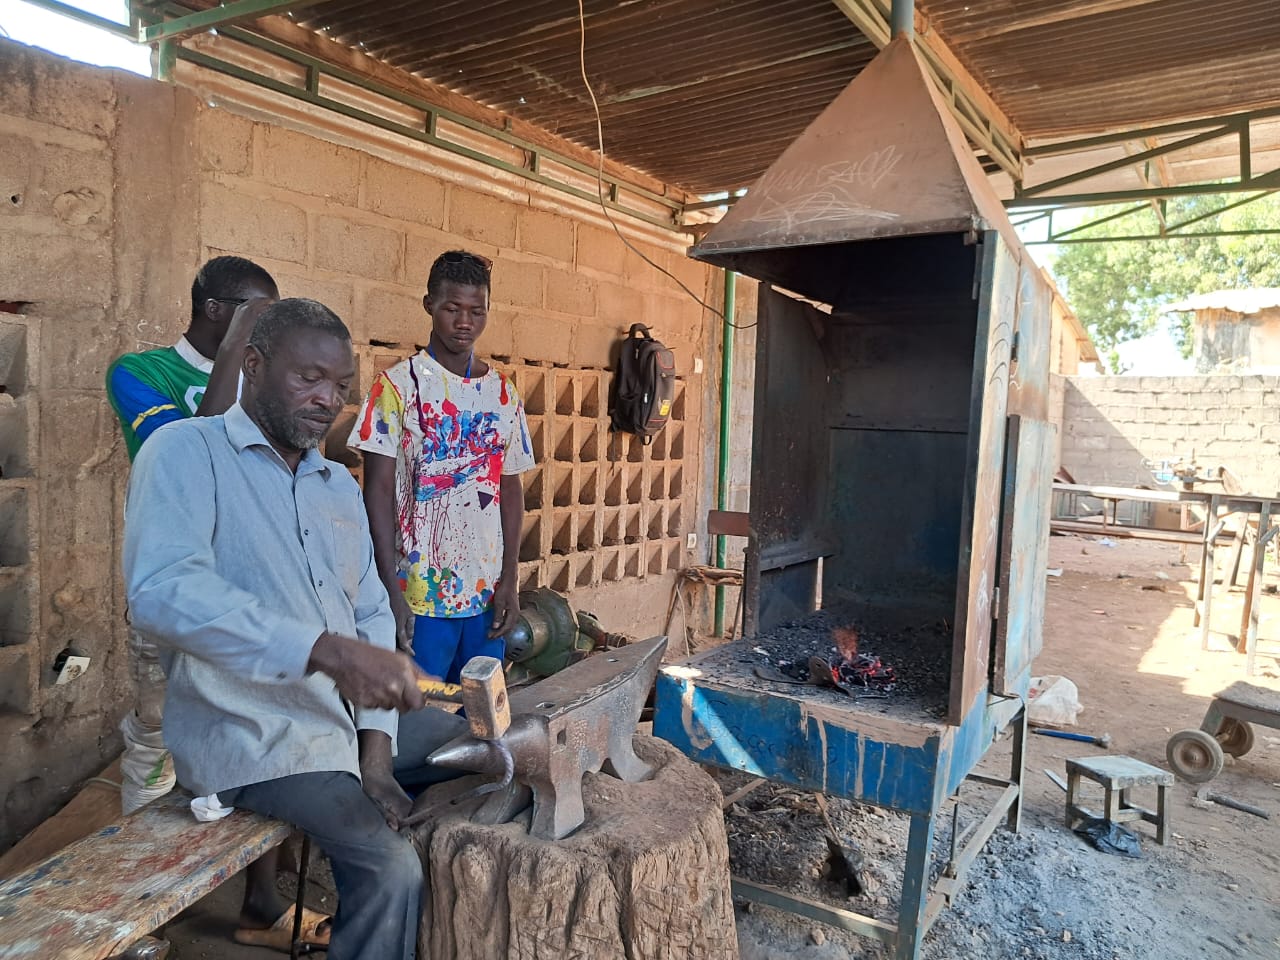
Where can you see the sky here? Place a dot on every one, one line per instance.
(30, 24)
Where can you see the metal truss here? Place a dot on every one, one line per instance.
(1079, 232)
(1150, 161)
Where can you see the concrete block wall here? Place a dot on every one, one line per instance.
(1112, 424)
(113, 189)
(607, 518)
(88, 233)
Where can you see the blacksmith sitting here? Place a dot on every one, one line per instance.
(252, 568)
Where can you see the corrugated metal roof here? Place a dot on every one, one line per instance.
(1234, 301)
(699, 93)
(1064, 67)
(705, 94)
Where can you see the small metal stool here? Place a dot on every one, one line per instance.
(1118, 775)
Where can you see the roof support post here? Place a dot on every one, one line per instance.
(902, 18)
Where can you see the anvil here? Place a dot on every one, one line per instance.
(578, 721)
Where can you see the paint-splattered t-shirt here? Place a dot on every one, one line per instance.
(454, 438)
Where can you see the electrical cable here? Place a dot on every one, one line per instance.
(595, 106)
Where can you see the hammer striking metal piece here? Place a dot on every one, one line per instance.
(578, 721)
(1102, 741)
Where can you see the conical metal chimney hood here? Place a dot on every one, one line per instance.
(884, 160)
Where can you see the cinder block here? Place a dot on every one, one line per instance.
(252, 225)
(393, 315)
(69, 188)
(358, 249)
(1091, 443)
(600, 249)
(337, 295)
(402, 193)
(571, 293)
(546, 234)
(294, 161)
(619, 304)
(55, 268)
(481, 217)
(73, 95)
(79, 342)
(517, 284)
(226, 141)
(690, 272)
(593, 344)
(1241, 432)
(541, 338)
(64, 451)
(498, 339)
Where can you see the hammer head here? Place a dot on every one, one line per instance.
(1104, 740)
(484, 697)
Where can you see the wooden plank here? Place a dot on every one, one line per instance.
(92, 808)
(102, 893)
(1128, 533)
(728, 523)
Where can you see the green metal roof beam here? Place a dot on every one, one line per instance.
(215, 17)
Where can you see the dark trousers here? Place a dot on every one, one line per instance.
(377, 871)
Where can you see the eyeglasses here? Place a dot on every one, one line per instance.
(236, 300)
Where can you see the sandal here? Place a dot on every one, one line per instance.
(279, 936)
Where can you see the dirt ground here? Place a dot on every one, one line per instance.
(1119, 624)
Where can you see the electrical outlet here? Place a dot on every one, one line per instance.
(691, 542)
(697, 364)
(72, 668)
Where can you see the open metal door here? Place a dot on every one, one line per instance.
(790, 453)
(1031, 446)
(976, 586)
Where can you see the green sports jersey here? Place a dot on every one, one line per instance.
(148, 390)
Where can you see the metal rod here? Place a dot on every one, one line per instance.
(722, 447)
(902, 18)
(1101, 168)
(803, 906)
(354, 113)
(216, 17)
(364, 82)
(1230, 120)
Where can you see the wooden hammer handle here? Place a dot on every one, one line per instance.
(439, 690)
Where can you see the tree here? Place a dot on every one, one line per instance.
(1116, 287)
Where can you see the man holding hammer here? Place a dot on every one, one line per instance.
(253, 569)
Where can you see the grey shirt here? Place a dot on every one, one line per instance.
(235, 565)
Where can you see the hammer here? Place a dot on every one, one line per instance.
(1205, 794)
(1102, 741)
(483, 695)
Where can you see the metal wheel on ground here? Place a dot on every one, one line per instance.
(1235, 736)
(1194, 755)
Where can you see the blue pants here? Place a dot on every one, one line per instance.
(443, 645)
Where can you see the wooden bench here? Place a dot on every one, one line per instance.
(97, 896)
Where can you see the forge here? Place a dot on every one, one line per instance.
(901, 461)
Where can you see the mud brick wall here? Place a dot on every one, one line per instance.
(114, 188)
(1111, 424)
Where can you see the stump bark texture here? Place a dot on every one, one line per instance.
(645, 878)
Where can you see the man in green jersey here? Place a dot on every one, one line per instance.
(199, 376)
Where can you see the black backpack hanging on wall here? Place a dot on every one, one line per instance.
(644, 384)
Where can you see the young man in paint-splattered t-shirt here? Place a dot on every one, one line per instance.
(445, 441)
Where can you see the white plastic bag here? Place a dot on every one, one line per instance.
(1053, 702)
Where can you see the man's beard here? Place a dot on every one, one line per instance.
(281, 426)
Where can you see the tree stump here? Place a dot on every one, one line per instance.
(646, 877)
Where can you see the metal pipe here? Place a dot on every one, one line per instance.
(902, 19)
(722, 448)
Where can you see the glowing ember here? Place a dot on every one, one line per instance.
(864, 670)
(846, 639)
